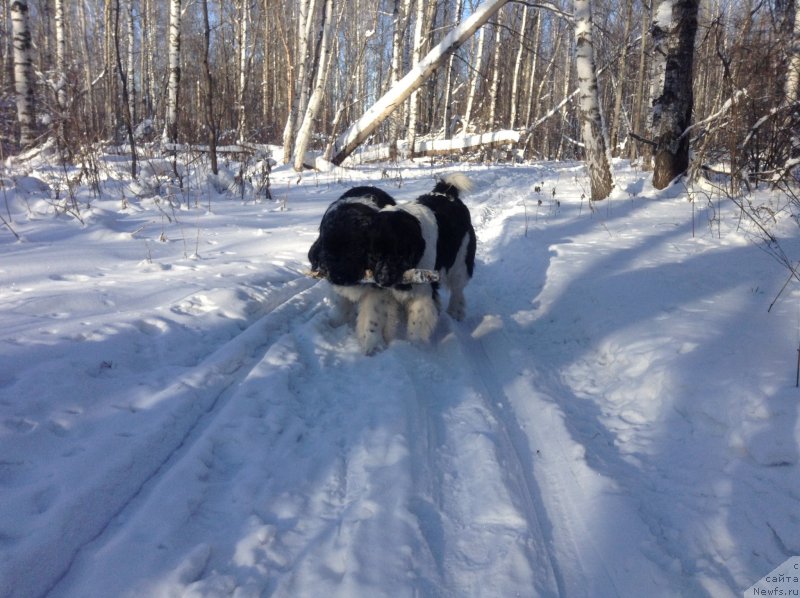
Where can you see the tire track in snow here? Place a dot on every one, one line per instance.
(201, 393)
(485, 533)
(519, 465)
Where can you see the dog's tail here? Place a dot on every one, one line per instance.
(453, 183)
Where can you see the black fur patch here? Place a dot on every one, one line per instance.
(396, 245)
(454, 223)
(379, 197)
(340, 251)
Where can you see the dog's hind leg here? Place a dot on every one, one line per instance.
(392, 310)
(344, 309)
(371, 321)
(422, 317)
(457, 306)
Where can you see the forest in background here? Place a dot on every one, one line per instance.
(248, 69)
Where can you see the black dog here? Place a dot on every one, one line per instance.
(434, 232)
(340, 255)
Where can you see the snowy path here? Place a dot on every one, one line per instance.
(211, 434)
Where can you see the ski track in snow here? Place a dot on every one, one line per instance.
(517, 455)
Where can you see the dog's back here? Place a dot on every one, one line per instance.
(453, 221)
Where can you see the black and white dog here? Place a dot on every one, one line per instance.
(433, 232)
(340, 255)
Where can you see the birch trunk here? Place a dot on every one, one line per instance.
(413, 105)
(61, 60)
(792, 86)
(211, 125)
(674, 29)
(302, 58)
(592, 131)
(474, 81)
(638, 104)
(623, 59)
(495, 86)
(448, 121)
(60, 77)
(23, 72)
(126, 107)
(130, 66)
(394, 75)
(314, 102)
(533, 68)
(512, 119)
(242, 82)
(171, 128)
(566, 91)
(86, 58)
(372, 118)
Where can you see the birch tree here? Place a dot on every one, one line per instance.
(512, 119)
(126, 106)
(618, 92)
(674, 29)
(792, 86)
(413, 106)
(173, 87)
(591, 120)
(638, 111)
(495, 85)
(302, 59)
(243, 61)
(474, 80)
(211, 125)
(130, 67)
(398, 17)
(60, 83)
(23, 72)
(315, 100)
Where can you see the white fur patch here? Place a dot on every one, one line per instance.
(459, 180)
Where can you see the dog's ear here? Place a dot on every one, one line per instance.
(417, 247)
(313, 254)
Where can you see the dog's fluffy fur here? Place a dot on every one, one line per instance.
(432, 232)
(340, 255)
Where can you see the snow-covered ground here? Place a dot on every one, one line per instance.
(617, 416)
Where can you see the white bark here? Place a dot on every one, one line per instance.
(493, 89)
(623, 59)
(23, 72)
(394, 75)
(566, 88)
(674, 30)
(517, 69)
(474, 79)
(533, 68)
(449, 121)
(171, 128)
(792, 87)
(131, 62)
(314, 102)
(242, 84)
(413, 108)
(61, 59)
(592, 130)
(302, 59)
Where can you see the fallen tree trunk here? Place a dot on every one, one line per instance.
(392, 99)
(432, 147)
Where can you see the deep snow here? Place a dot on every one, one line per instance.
(616, 416)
